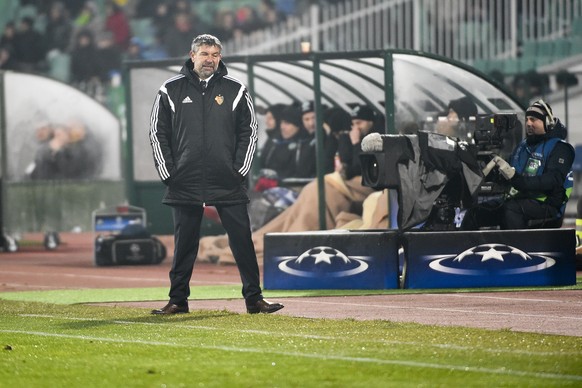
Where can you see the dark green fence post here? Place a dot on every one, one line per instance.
(319, 136)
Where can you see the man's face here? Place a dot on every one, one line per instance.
(309, 121)
(534, 126)
(288, 130)
(363, 126)
(206, 60)
(270, 121)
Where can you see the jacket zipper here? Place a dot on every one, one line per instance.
(203, 147)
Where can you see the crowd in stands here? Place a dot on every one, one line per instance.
(85, 44)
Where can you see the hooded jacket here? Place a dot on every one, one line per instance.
(203, 142)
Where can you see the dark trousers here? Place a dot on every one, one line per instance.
(511, 214)
(236, 222)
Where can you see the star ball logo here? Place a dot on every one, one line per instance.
(323, 261)
(494, 258)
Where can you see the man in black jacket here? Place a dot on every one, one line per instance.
(203, 133)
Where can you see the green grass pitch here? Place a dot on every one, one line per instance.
(76, 345)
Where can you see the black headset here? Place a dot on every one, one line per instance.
(550, 121)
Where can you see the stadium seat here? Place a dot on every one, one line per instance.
(561, 48)
(545, 48)
(527, 63)
(530, 49)
(482, 65)
(576, 45)
(577, 27)
(59, 66)
(511, 66)
(144, 30)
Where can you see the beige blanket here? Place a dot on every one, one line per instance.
(303, 215)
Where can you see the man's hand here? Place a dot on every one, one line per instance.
(504, 168)
(489, 167)
(355, 136)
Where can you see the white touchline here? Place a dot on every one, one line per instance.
(312, 336)
(108, 277)
(461, 368)
(82, 276)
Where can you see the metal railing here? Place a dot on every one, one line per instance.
(465, 30)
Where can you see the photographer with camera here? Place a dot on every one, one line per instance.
(539, 173)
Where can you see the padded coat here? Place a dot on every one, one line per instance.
(203, 142)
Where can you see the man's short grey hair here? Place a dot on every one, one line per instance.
(205, 40)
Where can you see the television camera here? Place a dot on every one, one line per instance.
(409, 163)
(494, 134)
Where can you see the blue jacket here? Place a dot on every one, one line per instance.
(543, 168)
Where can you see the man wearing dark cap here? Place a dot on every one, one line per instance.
(280, 151)
(459, 113)
(363, 120)
(539, 171)
(308, 117)
(307, 147)
(307, 152)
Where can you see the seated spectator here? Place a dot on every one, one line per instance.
(224, 24)
(458, 114)
(268, 14)
(135, 51)
(363, 123)
(307, 147)
(110, 57)
(85, 64)
(29, 50)
(273, 120)
(59, 29)
(116, 22)
(156, 50)
(280, 152)
(163, 19)
(179, 35)
(88, 19)
(7, 38)
(335, 121)
(7, 61)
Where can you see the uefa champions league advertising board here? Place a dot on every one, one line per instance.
(331, 260)
(510, 258)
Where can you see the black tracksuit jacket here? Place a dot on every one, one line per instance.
(203, 142)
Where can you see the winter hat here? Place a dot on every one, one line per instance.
(539, 111)
(464, 108)
(276, 110)
(338, 119)
(363, 112)
(292, 115)
(307, 106)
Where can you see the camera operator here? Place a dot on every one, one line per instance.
(538, 172)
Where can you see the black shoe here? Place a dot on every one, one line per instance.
(171, 308)
(264, 306)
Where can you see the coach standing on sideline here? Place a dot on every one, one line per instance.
(203, 134)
